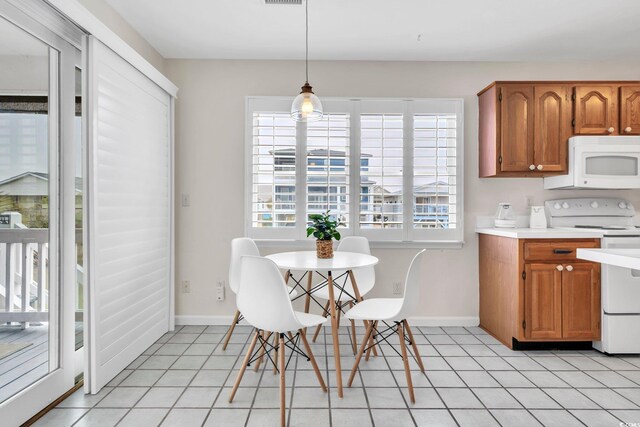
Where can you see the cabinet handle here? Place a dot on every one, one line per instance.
(540, 167)
(569, 268)
(532, 167)
(610, 130)
(562, 251)
(559, 267)
(627, 129)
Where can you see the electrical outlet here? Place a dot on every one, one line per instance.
(397, 288)
(220, 290)
(185, 286)
(186, 200)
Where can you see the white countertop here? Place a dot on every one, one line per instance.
(540, 233)
(628, 258)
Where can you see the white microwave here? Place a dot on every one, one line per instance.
(607, 162)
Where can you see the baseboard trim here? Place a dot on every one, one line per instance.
(417, 321)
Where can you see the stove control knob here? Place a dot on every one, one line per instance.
(629, 206)
(556, 205)
(622, 205)
(565, 205)
(594, 204)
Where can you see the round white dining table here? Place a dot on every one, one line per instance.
(309, 262)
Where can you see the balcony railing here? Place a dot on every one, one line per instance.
(24, 277)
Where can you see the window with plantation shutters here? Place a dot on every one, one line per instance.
(381, 171)
(273, 177)
(328, 164)
(390, 170)
(434, 171)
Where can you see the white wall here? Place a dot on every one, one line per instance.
(112, 19)
(210, 122)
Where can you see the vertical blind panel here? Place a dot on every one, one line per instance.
(434, 171)
(273, 202)
(381, 168)
(130, 209)
(328, 166)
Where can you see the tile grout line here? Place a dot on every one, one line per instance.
(204, 421)
(504, 357)
(156, 381)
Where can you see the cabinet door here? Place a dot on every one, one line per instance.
(552, 127)
(595, 110)
(516, 128)
(581, 301)
(630, 110)
(543, 301)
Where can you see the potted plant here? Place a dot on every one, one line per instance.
(324, 229)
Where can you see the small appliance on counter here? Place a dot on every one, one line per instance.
(538, 218)
(505, 217)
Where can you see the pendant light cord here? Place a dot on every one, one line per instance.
(306, 59)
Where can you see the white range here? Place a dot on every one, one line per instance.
(613, 217)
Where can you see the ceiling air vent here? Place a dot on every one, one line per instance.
(283, 1)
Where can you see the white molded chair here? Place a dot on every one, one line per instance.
(365, 279)
(240, 247)
(393, 312)
(263, 299)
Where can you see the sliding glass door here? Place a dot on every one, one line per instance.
(38, 194)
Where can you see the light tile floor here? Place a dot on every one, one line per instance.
(471, 380)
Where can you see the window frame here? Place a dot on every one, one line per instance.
(407, 236)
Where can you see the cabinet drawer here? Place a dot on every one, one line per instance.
(554, 251)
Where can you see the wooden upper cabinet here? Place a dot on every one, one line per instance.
(581, 301)
(543, 302)
(595, 110)
(525, 126)
(516, 128)
(552, 127)
(630, 110)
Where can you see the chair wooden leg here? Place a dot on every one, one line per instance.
(359, 298)
(416, 353)
(325, 314)
(265, 338)
(283, 389)
(365, 340)
(371, 339)
(405, 359)
(307, 299)
(339, 312)
(230, 331)
(244, 366)
(312, 359)
(353, 332)
(275, 354)
(366, 326)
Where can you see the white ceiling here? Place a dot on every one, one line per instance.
(451, 30)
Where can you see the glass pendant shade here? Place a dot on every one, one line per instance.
(306, 107)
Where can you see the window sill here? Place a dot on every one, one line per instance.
(309, 244)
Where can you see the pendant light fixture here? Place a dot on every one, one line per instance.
(307, 106)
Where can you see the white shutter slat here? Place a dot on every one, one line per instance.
(130, 214)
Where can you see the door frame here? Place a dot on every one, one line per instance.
(64, 56)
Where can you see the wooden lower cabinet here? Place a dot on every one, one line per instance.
(581, 301)
(542, 302)
(536, 290)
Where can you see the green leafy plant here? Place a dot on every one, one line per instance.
(323, 227)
